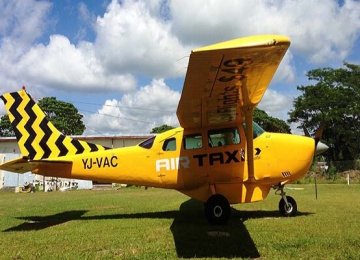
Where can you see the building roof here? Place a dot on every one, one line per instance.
(92, 137)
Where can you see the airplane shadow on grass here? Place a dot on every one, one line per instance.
(193, 236)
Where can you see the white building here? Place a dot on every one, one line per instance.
(9, 150)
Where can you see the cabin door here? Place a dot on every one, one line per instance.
(226, 154)
(167, 164)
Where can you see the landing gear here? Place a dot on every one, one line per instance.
(217, 210)
(288, 207)
(287, 204)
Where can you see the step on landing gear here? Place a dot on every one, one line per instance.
(217, 210)
(287, 204)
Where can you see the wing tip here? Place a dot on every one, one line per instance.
(249, 41)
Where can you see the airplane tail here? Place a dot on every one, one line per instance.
(37, 137)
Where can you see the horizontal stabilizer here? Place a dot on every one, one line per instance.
(45, 167)
(20, 165)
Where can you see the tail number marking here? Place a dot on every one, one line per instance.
(100, 162)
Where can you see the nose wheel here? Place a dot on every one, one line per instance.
(217, 210)
(287, 204)
(287, 207)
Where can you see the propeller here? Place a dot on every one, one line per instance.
(319, 146)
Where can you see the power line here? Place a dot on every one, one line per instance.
(127, 107)
(118, 117)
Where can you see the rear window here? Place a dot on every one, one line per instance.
(220, 137)
(193, 141)
(169, 145)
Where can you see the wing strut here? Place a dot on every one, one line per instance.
(249, 142)
(248, 110)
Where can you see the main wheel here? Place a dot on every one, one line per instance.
(217, 210)
(290, 210)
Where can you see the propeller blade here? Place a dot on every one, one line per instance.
(319, 132)
(316, 192)
(319, 146)
(319, 149)
(306, 132)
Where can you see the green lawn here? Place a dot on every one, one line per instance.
(134, 223)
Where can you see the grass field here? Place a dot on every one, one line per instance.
(134, 223)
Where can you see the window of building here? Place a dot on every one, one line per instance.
(169, 144)
(193, 141)
(220, 137)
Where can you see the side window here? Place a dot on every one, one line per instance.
(193, 141)
(169, 145)
(220, 137)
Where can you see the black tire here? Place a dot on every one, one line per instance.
(217, 210)
(288, 211)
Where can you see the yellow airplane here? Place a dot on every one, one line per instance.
(218, 155)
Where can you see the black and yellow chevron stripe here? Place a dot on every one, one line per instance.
(37, 137)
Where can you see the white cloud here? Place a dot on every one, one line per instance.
(286, 69)
(62, 64)
(137, 112)
(86, 21)
(154, 105)
(276, 104)
(130, 39)
(151, 38)
(296, 130)
(84, 13)
(322, 30)
(22, 21)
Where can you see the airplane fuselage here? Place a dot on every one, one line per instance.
(199, 163)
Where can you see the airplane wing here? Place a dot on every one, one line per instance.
(226, 79)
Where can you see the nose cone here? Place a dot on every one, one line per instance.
(320, 148)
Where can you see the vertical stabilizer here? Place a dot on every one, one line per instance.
(37, 137)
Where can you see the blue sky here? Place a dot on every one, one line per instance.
(122, 63)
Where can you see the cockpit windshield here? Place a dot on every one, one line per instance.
(257, 130)
(147, 144)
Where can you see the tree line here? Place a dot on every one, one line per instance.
(333, 100)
